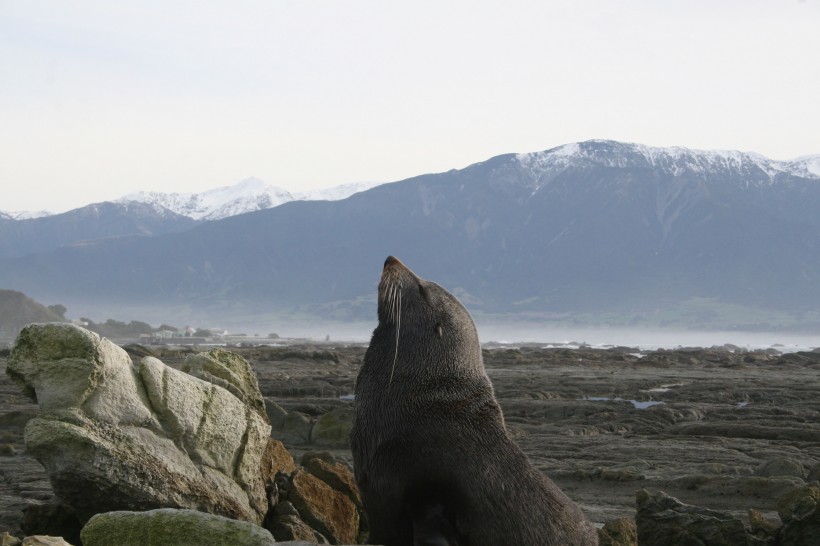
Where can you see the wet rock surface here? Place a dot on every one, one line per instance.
(662, 519)
(729, 430)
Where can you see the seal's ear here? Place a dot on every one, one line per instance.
(439, 330)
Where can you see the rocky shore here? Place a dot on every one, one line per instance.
(688, 433)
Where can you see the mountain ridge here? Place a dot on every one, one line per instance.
(571, 238)
(253, 193)
(247, 195)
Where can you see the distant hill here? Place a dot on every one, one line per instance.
(17, 310)
(19, 237)
(598, 230)
(147, 213)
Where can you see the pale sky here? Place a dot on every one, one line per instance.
(102, 98)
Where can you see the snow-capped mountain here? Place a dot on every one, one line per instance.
(24, 215)
(537, 168)
(247, 196)
(590, 227)
(674, 160)
(335, 193)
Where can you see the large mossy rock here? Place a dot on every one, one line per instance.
(169, 527)
(112, 437)
(333, 428)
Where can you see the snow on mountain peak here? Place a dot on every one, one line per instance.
(673, 159)
(25, 215)
(808, 165)
(248, 195)
(335, 193)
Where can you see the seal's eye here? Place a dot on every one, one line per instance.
(423, 292)
(439, 330)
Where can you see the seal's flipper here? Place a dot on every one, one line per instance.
(432, 527)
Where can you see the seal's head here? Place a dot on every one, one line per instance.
(421, 315)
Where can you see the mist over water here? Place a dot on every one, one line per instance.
(644, 338)
(507, 332)
(513, 333)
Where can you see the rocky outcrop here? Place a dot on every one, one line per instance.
(800, 513)
(318, 502)
(292, 427)
(662, 519)
(329, 429)
(760, 402)
(169, 527)
(114, 437)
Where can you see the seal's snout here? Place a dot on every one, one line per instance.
(394, 270)
(392, 261)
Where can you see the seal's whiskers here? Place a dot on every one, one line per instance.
(397, 320)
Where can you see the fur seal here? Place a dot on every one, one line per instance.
(431, 453)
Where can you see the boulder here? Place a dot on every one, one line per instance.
(337, 475)
(171, 527)
(329, 511)
(662, 519)
(333, 428)
(115, 438)
(800, 513)
(292, 427)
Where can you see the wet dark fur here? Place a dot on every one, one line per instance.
(432, 456)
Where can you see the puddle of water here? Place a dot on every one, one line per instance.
(664, 388)
(635, 403)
